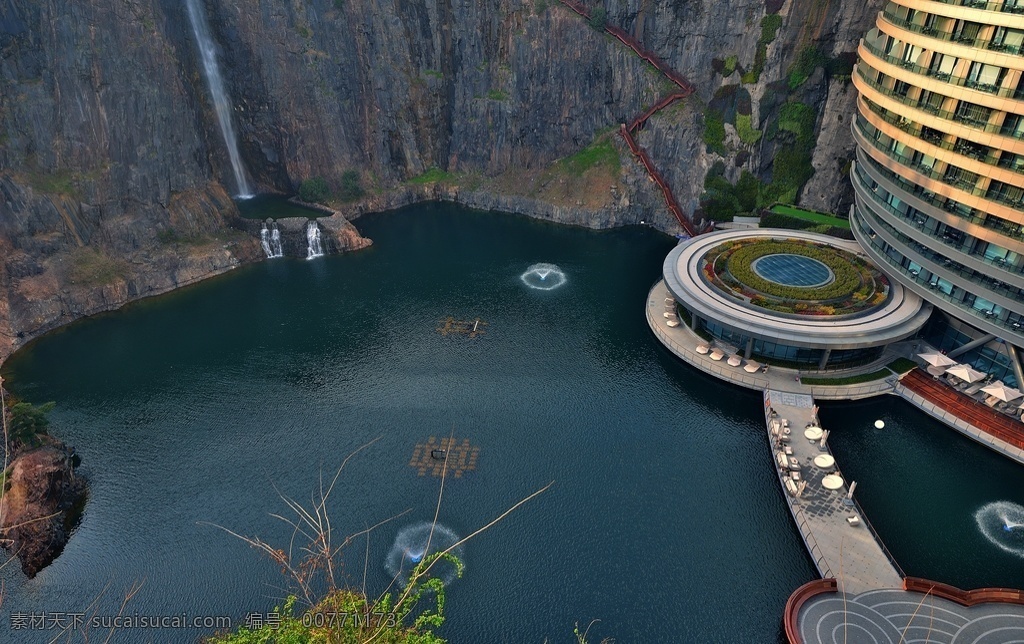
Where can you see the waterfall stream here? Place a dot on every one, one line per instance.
(313, 247)
(221, 101)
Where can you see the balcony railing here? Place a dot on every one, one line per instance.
(953, 207)
(919, 221)
(958, 81)
(927, 108)
(872, 243)
(985, 6)
(946, 36)
(916, 130)
(983, 281)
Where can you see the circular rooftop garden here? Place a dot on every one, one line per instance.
(793, 276)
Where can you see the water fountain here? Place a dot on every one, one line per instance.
(313, 247)
(543, 277)
(411, 546)
(221, 101)
(1002, 523)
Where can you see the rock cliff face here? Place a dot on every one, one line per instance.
(114, 181)
(42, 496)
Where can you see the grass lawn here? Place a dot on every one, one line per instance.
(430, 176)
(848, 380)
(901, 365)
(811, 216)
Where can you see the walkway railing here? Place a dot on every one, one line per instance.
(627, 132)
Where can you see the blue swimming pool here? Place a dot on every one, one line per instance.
(793, 270)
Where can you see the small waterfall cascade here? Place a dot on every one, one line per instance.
(313, 247)
(275, 241)
(270, 240)
(221, 101)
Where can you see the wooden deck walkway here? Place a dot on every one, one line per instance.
(967, 409)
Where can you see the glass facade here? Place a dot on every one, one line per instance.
(948, 334)
(772, 350)
(939, 178)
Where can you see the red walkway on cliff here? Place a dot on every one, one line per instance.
(627, 132)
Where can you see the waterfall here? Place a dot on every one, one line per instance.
(270, 240)
(265, 241)
(221, 102)
(275, 242)
(313, 248)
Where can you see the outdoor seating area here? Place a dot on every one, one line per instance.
(976, 385)
(966, 407)
(731, 356)
(794, 479)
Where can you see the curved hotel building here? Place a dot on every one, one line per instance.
(939, 173)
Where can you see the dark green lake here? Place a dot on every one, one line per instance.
(665, 520)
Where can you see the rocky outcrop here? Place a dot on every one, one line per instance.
(42, 500)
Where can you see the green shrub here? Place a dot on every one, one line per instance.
(27, 422)
(845, 267)
(714, 131)
(598, 18)
(770, 26)
(730, 65)
(745, 130)
(350, 189)
(809, 59)
(315, 190)
(798, 118)
(497, 95)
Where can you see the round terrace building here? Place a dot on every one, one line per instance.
(792, 298)
(939, 173)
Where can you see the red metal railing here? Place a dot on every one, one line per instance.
(638, 122)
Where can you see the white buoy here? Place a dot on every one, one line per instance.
(879, 424)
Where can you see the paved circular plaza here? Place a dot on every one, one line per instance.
(895, 616)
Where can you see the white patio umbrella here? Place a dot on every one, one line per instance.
(1002, 392)
(936, 371)
(832, 482)
(735, 361)
(717, 354)
(751, 366)
(702, 349)
(936, 359)
(966, 373)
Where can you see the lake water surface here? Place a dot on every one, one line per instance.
(665, 520)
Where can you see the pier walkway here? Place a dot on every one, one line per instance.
(848, 552)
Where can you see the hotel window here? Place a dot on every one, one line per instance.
(1009, 40)
(1013, 126)
(985, 77)
(931, 102)
(910, 55)
(972, 114)
(1006, 193)
(966, 32)
(942, 65)
(901, 88)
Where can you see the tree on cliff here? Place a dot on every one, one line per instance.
(350, 188)
(27, 422)
(315, 190)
